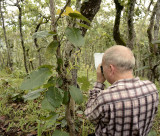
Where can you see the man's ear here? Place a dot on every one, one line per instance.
(112, 69)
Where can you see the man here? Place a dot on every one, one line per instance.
(129, 105)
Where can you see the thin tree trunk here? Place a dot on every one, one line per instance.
(36, 41)
(70, 121)
(131, 32)
(21, 35)
(9, 63)
(156, 28)
(116, 33)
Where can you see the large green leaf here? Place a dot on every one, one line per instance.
(84, 83)
(46, 105)
(51, 121)
(79, 16)
(74, 36)
(60, 133)
(33, 94)
(54, 96)
(36, 79)
(43, 34)
(76, 94)
(51, 49)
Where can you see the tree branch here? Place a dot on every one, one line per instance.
(68, 1)
(116, 33)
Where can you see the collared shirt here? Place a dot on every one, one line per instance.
(126, 108)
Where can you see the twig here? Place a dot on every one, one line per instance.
(62, 10)
(155, 66)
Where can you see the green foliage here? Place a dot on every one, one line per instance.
(79, 16)
(152, 133)
(51, 48)
(16, 97)
(76, 94)
(54, 96)
(36, 79)
(83, 25)
(60, 133)
(33, 94)
(46, 66)
(66, 97)
(43, 34)
(142, 68)
(74, 36)
(46, 105)
(156, 42)
(84, 83)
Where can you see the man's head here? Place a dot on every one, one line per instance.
(118, 63)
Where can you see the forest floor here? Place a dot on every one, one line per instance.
(20, 118)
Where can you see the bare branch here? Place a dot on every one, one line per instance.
(62, 10)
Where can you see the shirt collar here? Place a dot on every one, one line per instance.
(124, 81)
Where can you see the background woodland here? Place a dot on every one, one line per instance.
(47, 63)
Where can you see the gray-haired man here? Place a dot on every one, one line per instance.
(129, 105)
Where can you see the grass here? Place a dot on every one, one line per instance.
(21, 118)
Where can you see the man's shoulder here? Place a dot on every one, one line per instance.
(147, 83)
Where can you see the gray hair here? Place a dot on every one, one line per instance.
(120, 56)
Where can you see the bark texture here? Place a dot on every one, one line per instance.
(131, 32)
(89, 9)
(116, 32)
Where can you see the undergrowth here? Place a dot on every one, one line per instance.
(18, 117)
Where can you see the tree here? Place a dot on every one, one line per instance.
(21, 33)
(116, 31)
(131, 32)
(9, 62)
(155, 17)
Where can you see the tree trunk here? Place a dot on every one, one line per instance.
(116, 33)
(69, 55)
(150, 27)
(156, 29)
(9, 62)
(68, 114)
(89, 9)
(21, 35)
(35, 40)
(36, 44)
(155, 17)
(131, 32)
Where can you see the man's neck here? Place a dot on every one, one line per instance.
(124, 75)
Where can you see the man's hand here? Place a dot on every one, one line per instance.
(100, 76)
